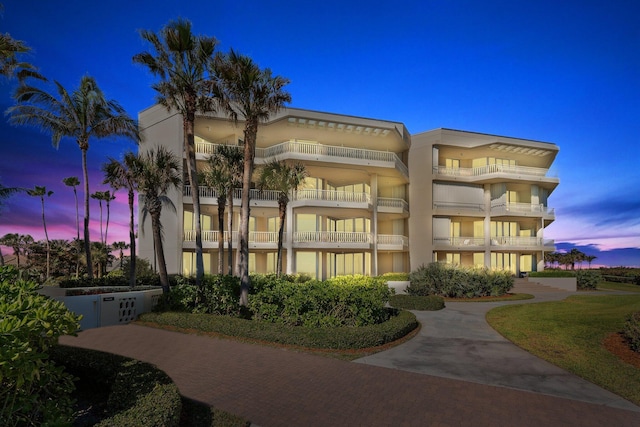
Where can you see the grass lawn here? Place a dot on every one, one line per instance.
(506, 297)
(570, 334)
(628, 287)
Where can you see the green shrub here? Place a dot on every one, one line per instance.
(218, 295)
(138, 393)
(110, 281)
(422, 303)
(632, 331)
(339, 301)
(588, 279)
(342, 337)
(395, 277)
(33, 390)
(458, 282)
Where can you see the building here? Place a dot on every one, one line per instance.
(376, 200)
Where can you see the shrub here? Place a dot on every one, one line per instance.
(218, 295)
(588, 279)
(33, 390)
(400, 323)
(552, 273)
(138, 393)
(395, 277)
(632, 331)
(422, 303)
(339, 301)
(457, 282)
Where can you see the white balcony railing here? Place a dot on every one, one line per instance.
(387, 202)
(516, 241)
(491, 169)
(267, 195)
(306, 149)
(500, 206)
(332, 237)
(393, 240)
(459, 241)
(332, 196)
(254, 236)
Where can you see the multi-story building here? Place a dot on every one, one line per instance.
(376, 199)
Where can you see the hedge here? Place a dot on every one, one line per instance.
(458, 282)
(400, 323)
(632, 331)
(139, 394)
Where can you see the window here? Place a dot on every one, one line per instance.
(189, 263)
(452, 163)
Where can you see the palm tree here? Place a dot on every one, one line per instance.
(157, 173)
(10, 66)
(247, 92)
(41, 192)
(183, 62)
(278, 175)
(99, 196)
(82, 114)
(121, 246)
(73, 181)
(589, 259)
(123, 175)
(18, 242)
(224, 174)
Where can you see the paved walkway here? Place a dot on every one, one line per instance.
(278, 387)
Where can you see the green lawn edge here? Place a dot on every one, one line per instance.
(570, 334)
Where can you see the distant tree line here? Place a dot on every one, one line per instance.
(567, 259)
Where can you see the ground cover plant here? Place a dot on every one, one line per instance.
(458, 282)
(570, 334)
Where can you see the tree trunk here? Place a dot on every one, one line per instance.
(250, 133)
(221, 204)
(75, 195)
(230, 228)
(190, 150)
(46, 236)
(132, 243)
(87, 238)
(157, 239)
(283, 214)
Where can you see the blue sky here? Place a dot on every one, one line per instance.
(562, 72)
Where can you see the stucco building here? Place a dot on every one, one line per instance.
(376, 200)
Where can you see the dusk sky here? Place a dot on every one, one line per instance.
(566, 72)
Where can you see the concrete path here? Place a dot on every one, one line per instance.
(458, 343)
(278, 387)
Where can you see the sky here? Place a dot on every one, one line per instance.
(562, 72)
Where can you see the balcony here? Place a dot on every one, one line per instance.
(210, 196)
(457, 208)
(522, 209)
(392, 205)
(521, 241)
(484, 173)
(332, 198)
(303, 239)
(459, 242)
(318, 152)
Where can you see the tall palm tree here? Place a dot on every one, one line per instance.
(73, 181)
(123, 175)
(82, 114)
(10, 65)
(121, 246)
(99, 196)
(589, 259)
(183, 63)
(252, 94)
(157, 173)
(40, 192)
(278, 175)
(224, 174)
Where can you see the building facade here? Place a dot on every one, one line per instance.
(376, 200)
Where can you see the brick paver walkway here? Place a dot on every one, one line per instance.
(278, 387)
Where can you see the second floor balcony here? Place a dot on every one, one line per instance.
(522, 209)
(307, 151)
(507, 242)
(486, 172)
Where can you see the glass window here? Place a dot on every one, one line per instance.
(306, 263)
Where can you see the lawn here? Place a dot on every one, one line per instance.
(570, 334)
(615, 286)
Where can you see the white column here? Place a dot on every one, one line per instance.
(487, 225)
(374, 223)
(288, 243)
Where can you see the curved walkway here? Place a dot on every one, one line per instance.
(279, 387)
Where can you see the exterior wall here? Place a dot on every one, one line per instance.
(377, 200)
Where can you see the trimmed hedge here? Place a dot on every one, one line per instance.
(400, 323)
(458, 282)
(552, 273)
(110, 281)
(588, 279)
(422, 303)
(632, 331)
(139, 393)
(395, 277)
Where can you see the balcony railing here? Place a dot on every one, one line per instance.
(254, 236)
(500, 206)
(517, 241)
(393, 240)
(306, 149)
(386, 202)
(491, 169)
(331, 237)
(332, 196)
(459, 241)
(268, 195)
